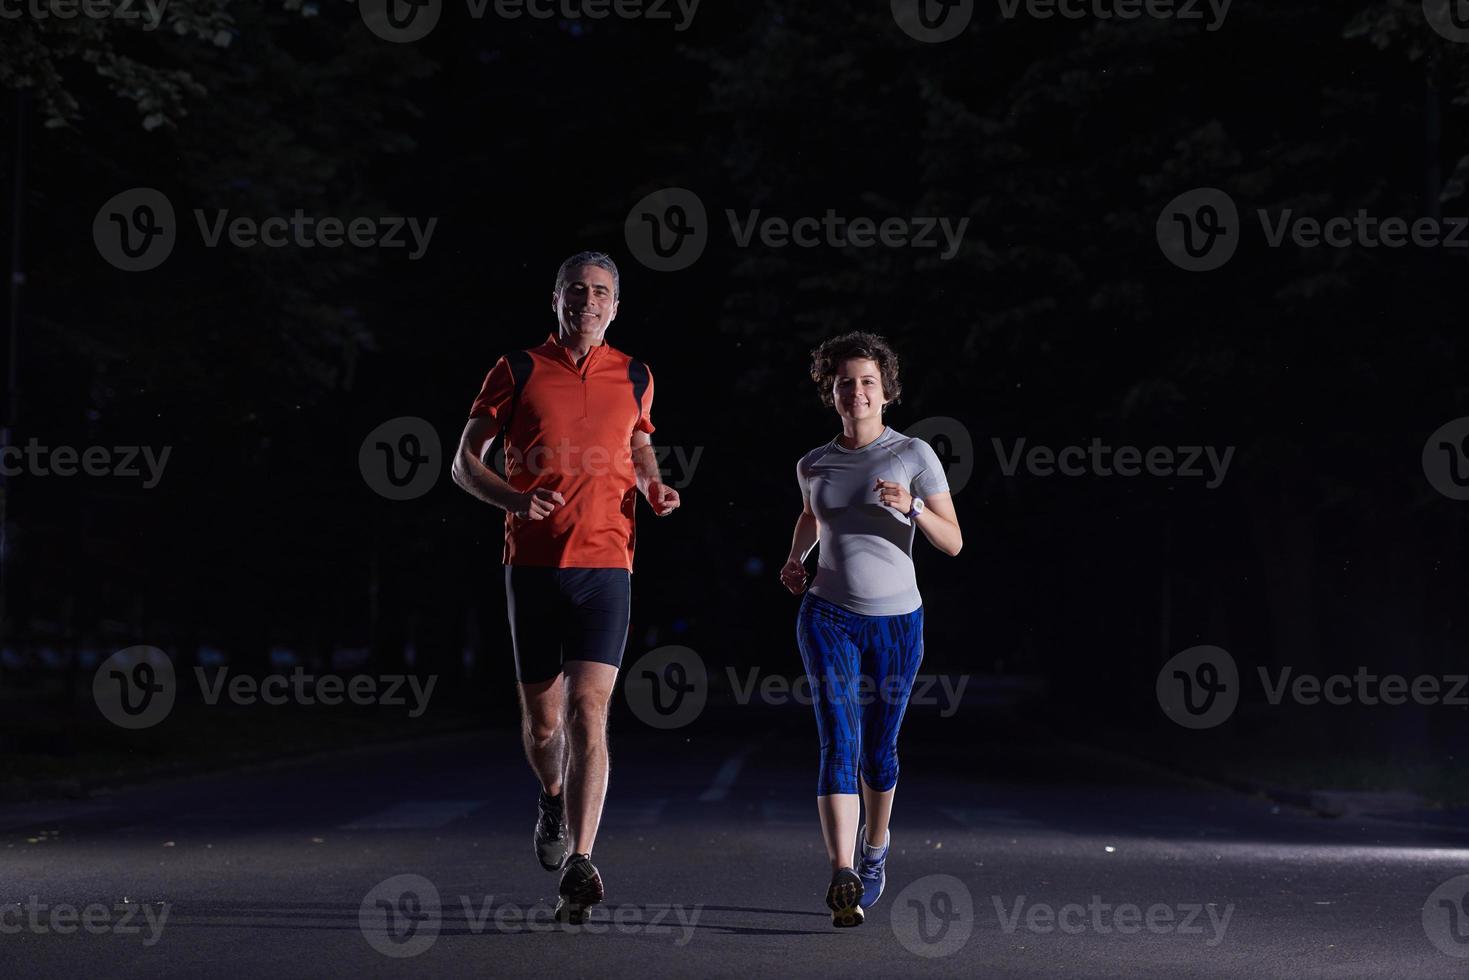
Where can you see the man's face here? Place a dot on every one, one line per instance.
(586, 304)
(857, 389)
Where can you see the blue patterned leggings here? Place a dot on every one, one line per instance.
(861, 670)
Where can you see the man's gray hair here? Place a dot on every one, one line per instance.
(600, 259)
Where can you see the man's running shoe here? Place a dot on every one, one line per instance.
(844, 898)
(581, 888)
(550, 835)
(872, 867)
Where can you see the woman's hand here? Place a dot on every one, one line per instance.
(793, 576)
(894, 495)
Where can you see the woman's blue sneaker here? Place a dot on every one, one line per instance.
(872, 867)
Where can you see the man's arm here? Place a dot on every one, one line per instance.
(661, 497)
(479, 480)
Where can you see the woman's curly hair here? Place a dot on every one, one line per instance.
(829, 356)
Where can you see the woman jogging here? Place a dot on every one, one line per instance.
(860, 626)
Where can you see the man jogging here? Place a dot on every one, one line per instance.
(574, 414)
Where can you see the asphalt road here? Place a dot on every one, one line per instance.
(1009, 861)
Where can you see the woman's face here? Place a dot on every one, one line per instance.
(857, 389)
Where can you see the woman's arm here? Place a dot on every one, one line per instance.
(937, 522)
(803, 539)
(940, 525)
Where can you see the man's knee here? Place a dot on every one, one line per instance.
(586, 717)
(542, 730)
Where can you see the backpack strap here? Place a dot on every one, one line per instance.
(520, 365)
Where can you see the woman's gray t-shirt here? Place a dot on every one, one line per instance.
(866, 564)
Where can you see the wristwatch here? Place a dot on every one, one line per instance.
(916, 509)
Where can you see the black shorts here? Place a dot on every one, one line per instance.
(561, 614)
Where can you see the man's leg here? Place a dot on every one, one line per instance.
(542, 710)
(589, 686)
(532, 601)
(599, 607)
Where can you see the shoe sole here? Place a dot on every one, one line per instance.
(560, 862)
(570, 913)
(843, 901)
(572, 909)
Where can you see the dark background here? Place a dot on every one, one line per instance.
(1060, 320)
